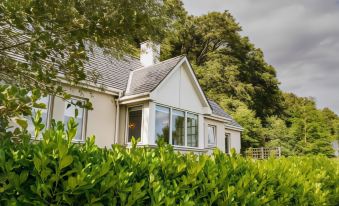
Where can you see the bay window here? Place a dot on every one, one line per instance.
(176, 127)
(134, 123)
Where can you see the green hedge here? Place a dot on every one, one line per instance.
(55, 171)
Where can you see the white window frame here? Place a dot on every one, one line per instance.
(84, 118)
(185, 125)
(214, 134)
(141, 107)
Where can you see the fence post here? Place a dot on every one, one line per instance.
(262, 153)
(279, 151)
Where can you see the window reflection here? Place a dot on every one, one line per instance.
(178, 128)
(192, 130)
(162, 120)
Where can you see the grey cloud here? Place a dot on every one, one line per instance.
(300, 38)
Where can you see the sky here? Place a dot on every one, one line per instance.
(300, 38)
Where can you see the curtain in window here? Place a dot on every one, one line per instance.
(134, 123)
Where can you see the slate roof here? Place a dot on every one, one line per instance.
(217, 110)
(148, 78)
(112, 72)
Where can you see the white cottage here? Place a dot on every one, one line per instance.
(147, 99)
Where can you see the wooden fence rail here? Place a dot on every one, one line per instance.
(263, 153)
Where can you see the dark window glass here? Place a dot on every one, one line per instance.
(134, 124)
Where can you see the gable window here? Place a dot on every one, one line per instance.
(183, 126)
(162, 123)
(211, 135)
(44, 115)
(192, 130)
(178, 127)
(134, 123)
(80, 119)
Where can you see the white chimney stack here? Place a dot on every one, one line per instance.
(150, 53)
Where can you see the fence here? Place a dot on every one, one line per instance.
(263, 153)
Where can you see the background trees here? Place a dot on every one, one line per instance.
(234, 73)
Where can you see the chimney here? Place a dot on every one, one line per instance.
(150, 53)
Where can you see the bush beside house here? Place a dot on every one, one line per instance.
(54, 171)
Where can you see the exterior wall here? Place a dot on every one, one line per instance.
(235, 139)
(235, 136)
(220, 134)
(178, 91)
(100, 120)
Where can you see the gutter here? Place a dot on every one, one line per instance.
(231, 127)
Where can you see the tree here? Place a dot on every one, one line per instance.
(308, 127)
(276, 134)
(251, 136)
(41, 40)
(225, 62)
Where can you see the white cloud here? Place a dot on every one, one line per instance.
(300, 38)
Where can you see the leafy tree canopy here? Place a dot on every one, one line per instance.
(39, 40)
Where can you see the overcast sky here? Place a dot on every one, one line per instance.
(300, 38)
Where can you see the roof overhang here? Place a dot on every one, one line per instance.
(135, 98)
(200, 92)
(234, 128)
(90, 86)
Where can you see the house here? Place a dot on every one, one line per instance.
(149, 99)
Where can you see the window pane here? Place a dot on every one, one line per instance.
(192, 130)
(178, 127)
(44, 113)
(211, 135)
(70, 112)
(227, 143)
(162, 120)
(134, 123)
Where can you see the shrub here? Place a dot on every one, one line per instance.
(54, 171)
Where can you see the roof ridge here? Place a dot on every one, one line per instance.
(159, 62)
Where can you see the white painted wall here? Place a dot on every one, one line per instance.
(178, 90)
(100, 120)
(235, 139)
